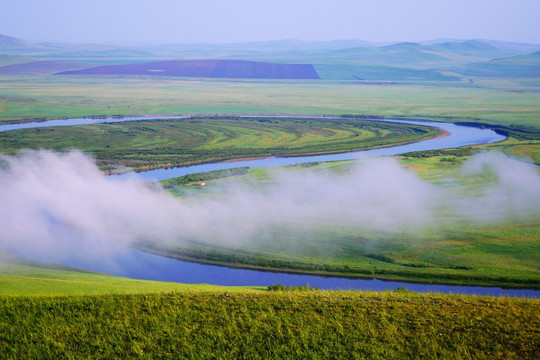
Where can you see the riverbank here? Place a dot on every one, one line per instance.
(416, 276)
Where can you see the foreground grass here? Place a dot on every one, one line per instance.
(264, 325)
(49, 311)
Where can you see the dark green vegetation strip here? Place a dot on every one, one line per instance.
(209, 175)
(270, 325)
(356, 262)
(161, 143)
(516, 131)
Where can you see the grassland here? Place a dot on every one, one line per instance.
(509, 101)
(168, 142)
(263, 325)
(506, 102)
(455, 249)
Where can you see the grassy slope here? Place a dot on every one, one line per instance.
(48, 311)
(158, 143)
(525, 66)
(20, 277)
(454, 250)
(263, 325)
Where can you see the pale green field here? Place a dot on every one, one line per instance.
(495, 101)
(29, 278)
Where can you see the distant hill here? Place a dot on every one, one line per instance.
(515, 66)
(373, 72)
(41, 67)
(522, 48)
(13, 59)
(9, 44)
(402, 54)
(470, 48)
(206, 68)
(281, 59)
(416, 55)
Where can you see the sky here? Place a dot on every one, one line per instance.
(218, 21)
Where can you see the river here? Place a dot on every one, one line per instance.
(136, 264)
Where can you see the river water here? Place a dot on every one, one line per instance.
(137, 264)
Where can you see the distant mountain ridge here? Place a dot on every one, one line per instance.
(336, 60)
(525, 66)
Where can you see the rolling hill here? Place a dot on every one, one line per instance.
(471, 48)
(516, 66)
(13, 59)
(41, 67)
(373, 72)
(11, 45)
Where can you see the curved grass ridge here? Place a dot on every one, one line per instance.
(159, 143)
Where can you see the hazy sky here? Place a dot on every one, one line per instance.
(218, 21)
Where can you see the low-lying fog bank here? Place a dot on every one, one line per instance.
(60, 205)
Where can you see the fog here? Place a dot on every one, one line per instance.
(60, 205)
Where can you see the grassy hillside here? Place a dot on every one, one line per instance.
(471, 48)
(49, 311)
(19, 277)
(525, 66)
(263, 325)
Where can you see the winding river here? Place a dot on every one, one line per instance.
(136, 264)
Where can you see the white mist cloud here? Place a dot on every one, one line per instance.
(514, 190)
(60, 205)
